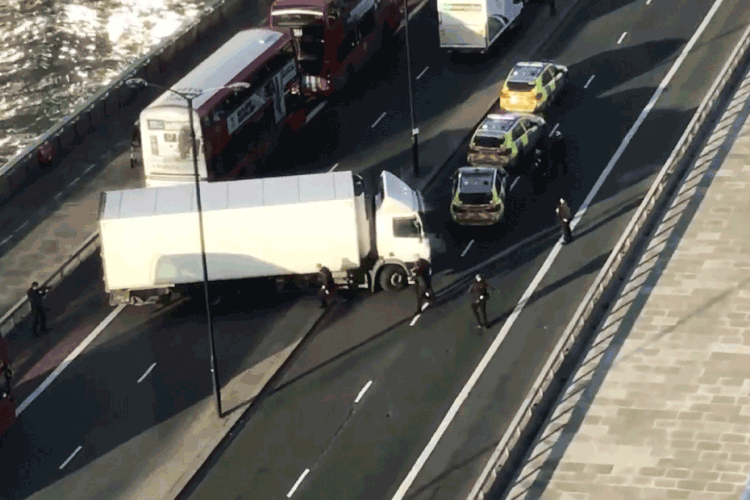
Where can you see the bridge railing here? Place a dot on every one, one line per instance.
(509, 452)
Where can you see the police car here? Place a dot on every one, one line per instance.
(532, 86)
(478, 197)
(505, 140)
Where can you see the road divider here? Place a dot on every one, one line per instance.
(512, 447)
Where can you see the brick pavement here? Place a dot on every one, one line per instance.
(660, 405)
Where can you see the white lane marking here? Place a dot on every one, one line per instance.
(315, 111)
(362, 392)
(146, 374)
(296, 485)
(74, 182)
(424, 306)
(378, 120)
(467, 248)
(591, 78)
(554, 128)
(78, 350)
(423, 72)
(414, 320)
(91, 167)
(6, 240)
(648, 2)
(453, 410)
(619, 40)
(513, 184)
(70, 458)
(334, 167)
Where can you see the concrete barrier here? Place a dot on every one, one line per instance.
(67, 133)
(513, 445)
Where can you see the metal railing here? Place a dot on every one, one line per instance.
(22, 308)
(501, 463)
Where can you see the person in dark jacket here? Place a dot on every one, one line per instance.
(558, 152)
(8, 375)
(325, 277)
(563, 218)
(423, 284)
(36, 295)
(479, 291)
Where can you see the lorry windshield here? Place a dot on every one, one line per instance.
(406, 227)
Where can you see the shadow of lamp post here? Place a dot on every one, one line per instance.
(189, 95)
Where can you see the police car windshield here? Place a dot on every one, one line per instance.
(475, 189)
(488, 142)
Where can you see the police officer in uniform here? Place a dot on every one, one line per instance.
(479, 291)
(558, 152)
(563, 218)
(326, 286)
(36, 295)
(423, 283)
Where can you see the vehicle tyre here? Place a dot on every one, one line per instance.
(393, 278)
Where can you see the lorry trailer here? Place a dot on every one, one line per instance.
(283, 228)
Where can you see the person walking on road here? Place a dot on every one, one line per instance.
(558, 152)
(563, 217)
(423, 284)
(326, 287)
(479, 291)
(36, 295)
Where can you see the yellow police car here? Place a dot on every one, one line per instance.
(505, 140)
(478, 197)
(532, 86)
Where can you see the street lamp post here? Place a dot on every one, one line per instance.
(414, 129)
(189, 96)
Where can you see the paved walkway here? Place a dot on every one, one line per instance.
(660, 406)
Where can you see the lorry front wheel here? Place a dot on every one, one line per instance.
(393, 278)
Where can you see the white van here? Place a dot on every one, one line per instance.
(474, 25)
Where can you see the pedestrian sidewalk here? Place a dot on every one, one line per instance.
(660, 406)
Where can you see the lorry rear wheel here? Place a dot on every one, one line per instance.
(393, 278)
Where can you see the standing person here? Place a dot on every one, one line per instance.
(423, 283)
(8, 374)
(563, 217)
(558, 152)
(36, 295)
(325, 277)
(479, 291)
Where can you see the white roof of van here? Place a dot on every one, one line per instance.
(221, 67)
(145, 202)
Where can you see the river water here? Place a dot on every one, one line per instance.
(54, 54)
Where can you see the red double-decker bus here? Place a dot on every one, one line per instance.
(234, 131)
(335, 38)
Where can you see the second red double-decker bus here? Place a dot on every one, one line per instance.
(234, 130)
(335, 38)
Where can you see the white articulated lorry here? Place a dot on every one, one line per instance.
(281, 227)
(474, 25)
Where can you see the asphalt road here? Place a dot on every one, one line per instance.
(311, 421)
(365, 449)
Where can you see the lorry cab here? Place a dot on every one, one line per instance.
(399, 228)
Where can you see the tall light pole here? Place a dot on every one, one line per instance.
(189, 96)
(414, 129)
